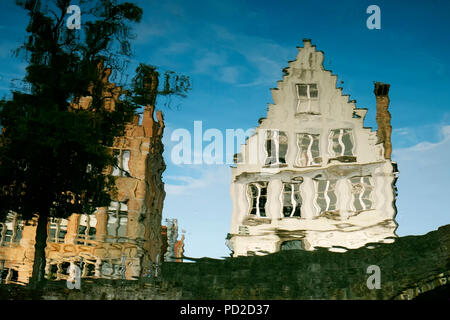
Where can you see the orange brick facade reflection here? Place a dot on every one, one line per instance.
(122, 241)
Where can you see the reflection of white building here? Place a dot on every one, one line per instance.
(312, 175)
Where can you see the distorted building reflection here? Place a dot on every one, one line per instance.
(107, 255)
(121, 241)
(313, 175)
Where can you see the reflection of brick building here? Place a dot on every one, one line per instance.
(179, 249)
(174, 249)
(16, 250)
(120, 241)
(312, 175)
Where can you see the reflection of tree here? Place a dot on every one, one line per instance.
(57, 132)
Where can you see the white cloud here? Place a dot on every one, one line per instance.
(188, 185)
(416, 150)
(423, 185)
(199, 197)
(208, 61)
(209, 48)
(264, 55)
(147, 31)
(229, 74)
(402, 131)
(177, 47)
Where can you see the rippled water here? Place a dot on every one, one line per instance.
(95, 246)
